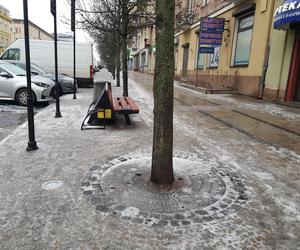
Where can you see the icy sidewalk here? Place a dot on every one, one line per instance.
(86, 189)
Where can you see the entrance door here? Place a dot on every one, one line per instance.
(185, 59)
(293, 88)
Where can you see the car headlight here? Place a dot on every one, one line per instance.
(41, 84)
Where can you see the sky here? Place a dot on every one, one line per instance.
(39, 13)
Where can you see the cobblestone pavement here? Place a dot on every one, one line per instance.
(236, 164)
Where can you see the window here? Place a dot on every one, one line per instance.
(200, 60)
(200, 57)
(214, 58)
(205, 2)
(11, 54)
(243, 40)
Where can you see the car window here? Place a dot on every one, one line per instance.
(11, 54)
(2, 70)
(20, 65)
(5, 55)
(38, 69)
(13, 69)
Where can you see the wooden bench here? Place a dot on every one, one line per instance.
(106, 107)
(122, 105)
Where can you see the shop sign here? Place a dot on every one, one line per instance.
(206, 50)
(211, 34)
(210, 38)
(247, 22)
(212, 24)
(286, 14)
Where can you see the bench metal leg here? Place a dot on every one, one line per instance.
(127, 119)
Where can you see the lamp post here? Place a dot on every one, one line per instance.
(73, 28)
(31, 143)
(53, 11)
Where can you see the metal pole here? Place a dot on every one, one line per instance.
(74, 52)
(57, 112)
(31, 143)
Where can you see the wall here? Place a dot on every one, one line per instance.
(279, 63)
(34, 32)
(5, 35)
(244, 79)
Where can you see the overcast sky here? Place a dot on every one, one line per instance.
(39, 13)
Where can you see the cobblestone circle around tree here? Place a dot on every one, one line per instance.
(200, 194)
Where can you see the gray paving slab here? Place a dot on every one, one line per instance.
(47, 204)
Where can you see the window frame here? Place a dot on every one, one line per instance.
(237, 30)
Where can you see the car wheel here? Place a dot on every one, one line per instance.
(21, 97)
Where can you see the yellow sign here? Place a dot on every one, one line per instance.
(100, 115)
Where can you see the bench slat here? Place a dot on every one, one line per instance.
(125, 105)
(132, 105)
(116, 105)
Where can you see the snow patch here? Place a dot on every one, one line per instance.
(264, 176)
(130, 211)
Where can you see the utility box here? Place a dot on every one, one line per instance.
(98, 89)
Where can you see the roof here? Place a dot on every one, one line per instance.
(34, 25)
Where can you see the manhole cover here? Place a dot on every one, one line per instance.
(201, 193)
(51, 185)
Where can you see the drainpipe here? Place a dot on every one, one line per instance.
(267, 55)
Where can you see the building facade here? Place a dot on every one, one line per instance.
(238, 64)
(35, 32)
(283, 74)
(5, 25)
(143, 51)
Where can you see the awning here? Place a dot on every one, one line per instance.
(287, 13)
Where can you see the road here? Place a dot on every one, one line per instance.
(12, 116)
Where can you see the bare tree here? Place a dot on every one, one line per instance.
(123, 17)
(162, 151)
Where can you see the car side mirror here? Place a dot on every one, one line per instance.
(6, 75)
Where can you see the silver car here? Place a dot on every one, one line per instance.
(13, 85)
(66, 83)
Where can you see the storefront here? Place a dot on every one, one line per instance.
(237, 65)
(283, 76)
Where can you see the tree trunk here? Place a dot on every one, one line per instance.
(114, 72)
(118, 70)
(124, 65)
(163, 87)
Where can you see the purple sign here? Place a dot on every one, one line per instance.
(212, 24)
(211, 38)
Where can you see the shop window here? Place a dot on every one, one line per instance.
(200, 61)
(243, 40)
(200, 57)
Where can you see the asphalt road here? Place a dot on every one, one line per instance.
(12, 116)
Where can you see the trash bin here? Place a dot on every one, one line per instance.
(98, 88)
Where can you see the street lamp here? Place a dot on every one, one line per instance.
(73, 28)
(53, 11)
(31, 143)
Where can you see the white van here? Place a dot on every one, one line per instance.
(42, 54)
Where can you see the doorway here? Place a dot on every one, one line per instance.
(293, 87)
(185, 59)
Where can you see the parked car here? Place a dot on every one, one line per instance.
(13, 85)
(42, 54)
(66, 83)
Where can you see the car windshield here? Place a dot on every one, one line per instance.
(13, 69)
(38, 69)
